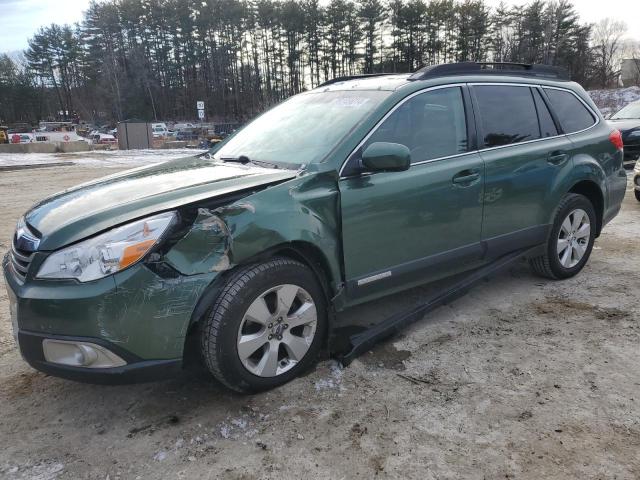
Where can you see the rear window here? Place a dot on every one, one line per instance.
(571, 112)
(507, 114)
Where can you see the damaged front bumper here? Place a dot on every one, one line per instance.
(136, 315)
(134, 370)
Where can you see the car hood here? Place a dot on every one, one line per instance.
(87, 209)
(625, 124)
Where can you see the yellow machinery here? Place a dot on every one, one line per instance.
(4, 136)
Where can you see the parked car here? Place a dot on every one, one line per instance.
(627, 120)
(343, 194)
(103, 139)
(188, 135)
(183, 126)
(159, 130)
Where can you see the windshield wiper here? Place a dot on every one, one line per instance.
(245, 160)
(239, 159)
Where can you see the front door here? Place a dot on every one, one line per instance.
(405, 228)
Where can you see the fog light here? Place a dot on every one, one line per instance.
(79, 354)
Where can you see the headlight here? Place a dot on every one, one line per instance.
(107, 253)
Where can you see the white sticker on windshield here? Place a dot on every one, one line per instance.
(350, 102)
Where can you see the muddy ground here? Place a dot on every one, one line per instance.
(521, 378)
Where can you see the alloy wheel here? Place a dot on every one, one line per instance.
(573, 238)
(277, 330)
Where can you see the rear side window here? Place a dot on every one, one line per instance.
(507, 114)
(431, 124)
(547, 127)
(571, 112)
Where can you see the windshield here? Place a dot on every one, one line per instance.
(303, 129)
(630, 111)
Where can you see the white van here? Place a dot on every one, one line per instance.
(159, 130)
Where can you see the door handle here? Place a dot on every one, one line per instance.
(558, 157)
(466, 177)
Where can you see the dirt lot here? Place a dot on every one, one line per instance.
(522, 378)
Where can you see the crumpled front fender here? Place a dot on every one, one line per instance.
(304, 209)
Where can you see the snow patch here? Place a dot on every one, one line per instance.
(235, 428)
(610, 101)
(48, 470)
(240, 423)
(225, 430)
(333, 381)
(99, 158)
(160, 456)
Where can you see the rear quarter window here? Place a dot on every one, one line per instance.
(547, 125)
(571, 112)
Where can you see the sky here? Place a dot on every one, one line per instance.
(20, 19)
(592, 11)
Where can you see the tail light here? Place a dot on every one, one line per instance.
(615, 138)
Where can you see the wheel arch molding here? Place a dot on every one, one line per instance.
(592, 191)
(307, 253)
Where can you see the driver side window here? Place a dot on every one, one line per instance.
(432, 125)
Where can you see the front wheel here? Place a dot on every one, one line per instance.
(266, 327)
(570, 241)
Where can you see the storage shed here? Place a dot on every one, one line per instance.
(135, 135)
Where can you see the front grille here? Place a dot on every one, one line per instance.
(20, 260)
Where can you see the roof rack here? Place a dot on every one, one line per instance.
(353, 77)
(491, 68)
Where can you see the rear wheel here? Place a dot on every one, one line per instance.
(637, 194)
(266, 327)
(570, 241)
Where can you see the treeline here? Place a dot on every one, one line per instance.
(154, 59)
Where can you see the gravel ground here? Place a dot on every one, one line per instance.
(521, 378)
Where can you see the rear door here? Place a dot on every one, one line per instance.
(525, 157)
(402, 228)
(576, 120)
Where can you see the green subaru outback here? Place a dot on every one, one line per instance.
(359, 188)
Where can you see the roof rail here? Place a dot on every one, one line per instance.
(491, 68)
(353, 77)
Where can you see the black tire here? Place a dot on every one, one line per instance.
(637, 194)
(548, 265)
(220, 328)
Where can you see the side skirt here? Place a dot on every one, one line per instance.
(362, 342)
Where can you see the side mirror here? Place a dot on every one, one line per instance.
(386, 157)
